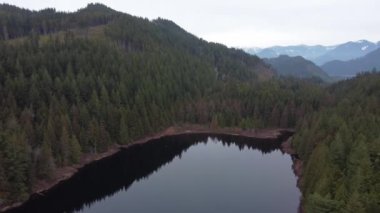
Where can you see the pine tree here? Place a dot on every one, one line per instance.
(338, 154)
(45, 161)
(16, 158)
(354, 205)
(124, 131)
(64, 141)
(75, 150)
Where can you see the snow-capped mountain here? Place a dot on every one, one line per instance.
(348, 51)
(319, 54)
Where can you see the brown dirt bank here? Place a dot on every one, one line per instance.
(64, 173)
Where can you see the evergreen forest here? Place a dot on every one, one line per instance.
(79, 83)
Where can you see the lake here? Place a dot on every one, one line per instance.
(187, 173)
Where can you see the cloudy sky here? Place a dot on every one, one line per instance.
(248, 23)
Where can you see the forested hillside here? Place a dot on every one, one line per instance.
(16, 22)
(79, 83)
(340, 149)
(297, 67)
(67, 93)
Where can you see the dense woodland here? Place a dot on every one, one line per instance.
(340, 147)
(16, 22)
(75, 83)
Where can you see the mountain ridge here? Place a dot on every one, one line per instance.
(160, 30)
(319, 54)
(352, 67)
(297, 66)
(347, 51)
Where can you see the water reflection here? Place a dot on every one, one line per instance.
(104, 178)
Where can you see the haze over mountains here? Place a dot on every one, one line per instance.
(344, 60)
(319, 54)
(350, 68)
(308, 52)
(297, 66)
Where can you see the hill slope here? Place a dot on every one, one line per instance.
(353, 67)
(339, 146)
(296, 67)
(17, 22)
(73, 83)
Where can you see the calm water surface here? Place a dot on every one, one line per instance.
(188, 173)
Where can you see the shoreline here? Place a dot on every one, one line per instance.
(297, 166)
(64, 173)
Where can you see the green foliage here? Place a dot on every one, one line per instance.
(87, 93)
(65, 92)
(44, 161)
(319, 204)
(16, 22)
(15, 158)
(346, 169)
(75, 150)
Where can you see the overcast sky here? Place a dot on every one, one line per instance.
(248, 23)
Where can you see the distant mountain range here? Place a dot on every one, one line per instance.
(319, 54)
(307, 52)
(348, 51)
(352, 67)
(296, 66)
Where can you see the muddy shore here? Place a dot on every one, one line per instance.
(64, 173)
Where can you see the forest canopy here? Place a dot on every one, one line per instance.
(79, 83)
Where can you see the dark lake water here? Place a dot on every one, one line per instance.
(187, 173)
